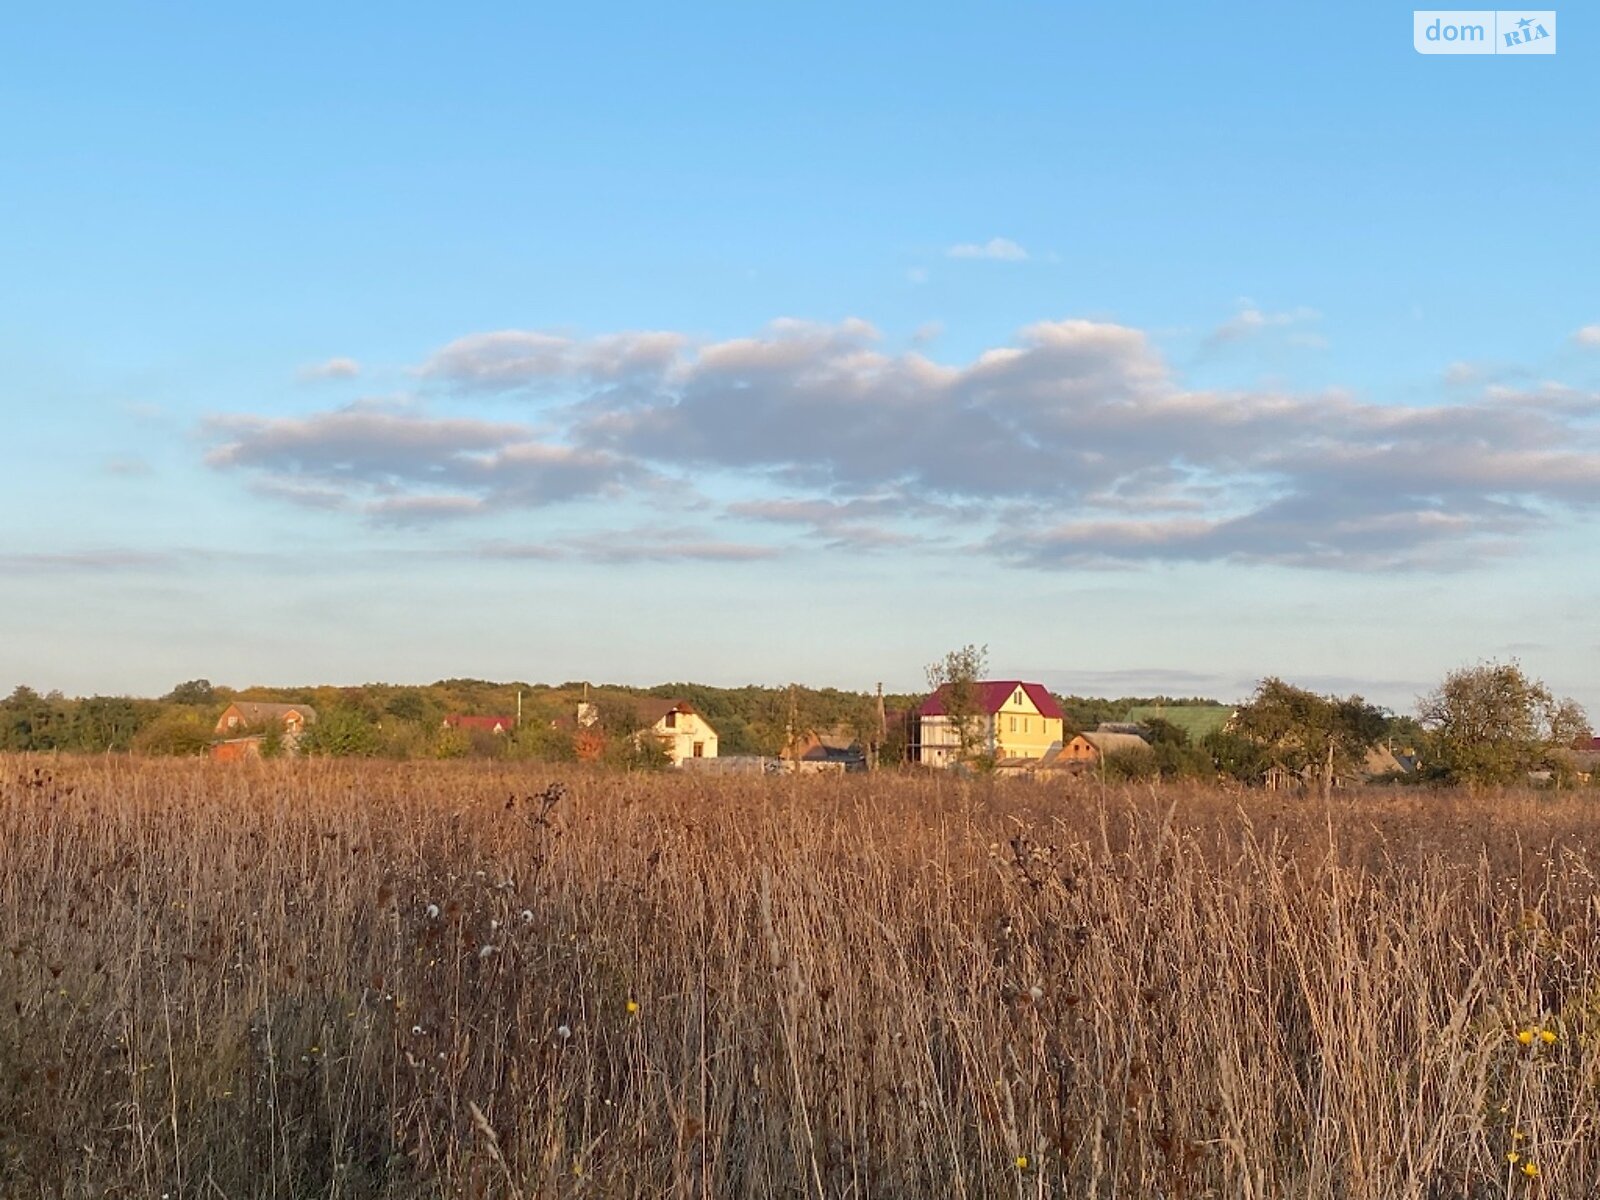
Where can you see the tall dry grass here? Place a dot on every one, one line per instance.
(314, 979)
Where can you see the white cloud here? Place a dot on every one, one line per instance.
(516, 357)
(333, 368)
(1250, 321)
(1589, 335)
(405, 469)
(999, 249)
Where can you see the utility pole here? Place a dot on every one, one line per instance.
(788, 732)
(883, 729)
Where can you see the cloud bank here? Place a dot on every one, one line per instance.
(1075, 444)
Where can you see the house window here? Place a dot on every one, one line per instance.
(1017, 699)
(1024, 724)
(699, 749)
(672, 720)
(1013, 724)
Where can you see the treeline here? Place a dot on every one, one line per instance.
(407, 721)
(1486, 724)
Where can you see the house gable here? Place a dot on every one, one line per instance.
(256, 714)
(997, 695)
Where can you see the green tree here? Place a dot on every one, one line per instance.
(956, 677)
(194, 691)
(180, 731)
(1308, 734)
(1235, 756)
(29, 721)
(407, 706)
(105, 723)
(1129, 765)
(341, 731)
(642, 751)
(1492, 724)
(1171, 753)
(541, 739)
(451, 743)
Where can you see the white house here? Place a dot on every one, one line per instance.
(682, 731)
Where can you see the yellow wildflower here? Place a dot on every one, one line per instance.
(1525, 1037)
(1547, 1036)
(1022, 1162)
(1512, 1156)
(633, 1006)
(1530, 1169)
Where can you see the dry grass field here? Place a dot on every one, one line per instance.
(323, 979)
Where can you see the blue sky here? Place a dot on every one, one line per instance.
(1158, 350)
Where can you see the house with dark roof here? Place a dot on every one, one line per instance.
(244, 725)
(839, 746)
(680, 729)
(1011, 719)
(256, 715)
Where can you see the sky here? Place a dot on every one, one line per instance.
(1158, 348)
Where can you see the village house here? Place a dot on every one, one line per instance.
(250, 721)
(1088, 749)
(1013, 720)
(683, 732)
(257, 714)
(838, 748)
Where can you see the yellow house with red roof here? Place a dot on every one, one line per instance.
(1012, 719)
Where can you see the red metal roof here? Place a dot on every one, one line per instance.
(992, 697)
